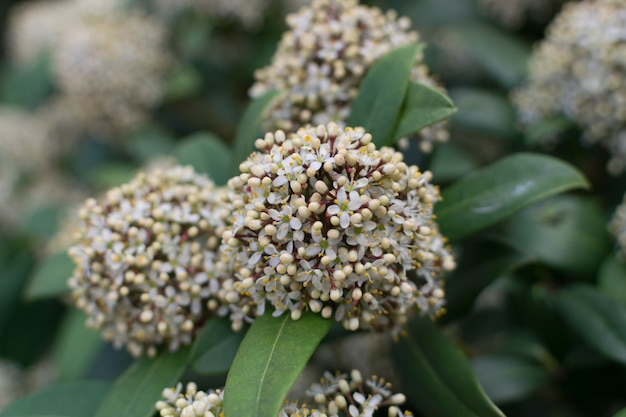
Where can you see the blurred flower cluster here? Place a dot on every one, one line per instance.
(324, 56)
(578, 72)
(515, 13)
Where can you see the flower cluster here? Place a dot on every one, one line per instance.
(116, 86)
(617, 226)
(27, 158)
(108, 62)
(321, 61)
(335, 395)
(16, 382)
(249, 13)
(145, 259)
(578, 72)
(513, 13)
(324, 221)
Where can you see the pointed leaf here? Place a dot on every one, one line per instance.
(493, 193)
(621, 413)
(437, 376)
(66, 399)
(215, 347)
(449, 162)
(136, 391)
(50, 278)
(270, 359)
(423, 106)
(378, 105)
(207, 154)
(597, 318)
(250, 128)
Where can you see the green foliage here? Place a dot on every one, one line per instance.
(612, 278)
(50, 278)
(78, 398)
(493, 193)
(270, 359)
(76, 347)
(136, 391)
(250, 127)
(597, 318)
(207, 154)
(437, 376)
(215, 347)
(28, 84)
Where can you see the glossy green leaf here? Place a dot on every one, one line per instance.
(50, 278)
(65, 399)
(612, 278)
(269, 361)
(215, 347)
(598, 319)
(76, 348)
(566, 232)
(507, 378)
(207, 154)
(135, 392)
(423, 106)
(381, 96)
(495, 192)
(449, 162)
(483, 112)
(437, 377)
(474, 274)
(250, 128)
(501, 54)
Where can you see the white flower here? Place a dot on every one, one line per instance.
(334, 225)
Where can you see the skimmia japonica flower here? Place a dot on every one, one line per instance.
(145, 259)
(578, 72)
(324, 221)
(322, 60)
(617, 226)
(334, 396)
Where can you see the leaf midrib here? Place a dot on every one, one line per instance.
(267, 365)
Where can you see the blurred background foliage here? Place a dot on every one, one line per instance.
(538, 301)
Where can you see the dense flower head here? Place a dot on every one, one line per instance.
(324, 56)
(334, 396)
(324, 221)
(514, 13)
(113, 66)
(145, 259)
(578, 72)
(617, 226)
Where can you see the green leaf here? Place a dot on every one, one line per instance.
(475, 273)
(507, 378)
(495, 192)
(250, 127)
(149, 143)
(598, 319)
(423, 106)
(29, 84)
(502, 55)
(50, 278)
(215, 347)
(548, 130)
(270, 359)
(112, 174)
(137, 390)
(437, 377)
(483, 112)
(76, 348)
(566, 232)
(612, 278)
(450, 162)
(207, 154)
(65, 399)
(184, 81)
(379, 103)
